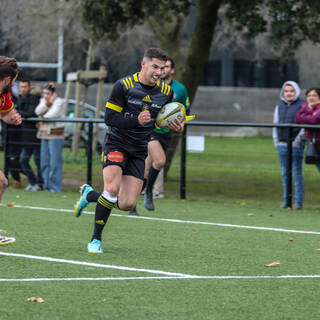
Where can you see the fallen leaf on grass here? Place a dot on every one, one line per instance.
(195, 229)
(162, 246)
(250, 214)
(36, 299)
(291, 239)
(272, 264)
(318, 249)
(12, 204)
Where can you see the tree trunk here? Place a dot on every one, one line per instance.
(197, 58)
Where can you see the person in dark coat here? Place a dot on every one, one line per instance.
(26, 105)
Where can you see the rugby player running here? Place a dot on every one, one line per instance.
(130, 112)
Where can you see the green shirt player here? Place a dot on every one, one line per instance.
(160, 138)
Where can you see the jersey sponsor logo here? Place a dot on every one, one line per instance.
(146, 99)
(115, 156)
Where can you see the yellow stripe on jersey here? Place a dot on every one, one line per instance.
(113, 107)
(135, 77)
(125, 83)
(165, 89)
(131, 84)
(128, 83)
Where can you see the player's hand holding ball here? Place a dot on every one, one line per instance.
(176, 125)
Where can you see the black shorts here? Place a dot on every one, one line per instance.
(131, 160)
(163, 138)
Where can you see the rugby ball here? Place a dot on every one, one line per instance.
(170, 111)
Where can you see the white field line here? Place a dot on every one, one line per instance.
(90, 264)
(165, 278)
(177, 220)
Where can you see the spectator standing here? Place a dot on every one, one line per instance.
(26, 105)
(52, 138)
(285, 112)
(310, 114)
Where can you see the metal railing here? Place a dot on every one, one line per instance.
(242, 124)
(183, 159)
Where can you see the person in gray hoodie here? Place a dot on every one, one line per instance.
(285, 111)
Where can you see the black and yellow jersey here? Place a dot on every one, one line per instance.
(128, 98)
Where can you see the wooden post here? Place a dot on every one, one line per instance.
(77, 76)
(98, 106)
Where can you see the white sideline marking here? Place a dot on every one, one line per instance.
(176, 220)
(164, 278)
(90, 264)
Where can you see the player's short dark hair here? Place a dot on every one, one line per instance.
(316, 89)
(8, 67)
(172, 62)
(50, 86)
(155, 53)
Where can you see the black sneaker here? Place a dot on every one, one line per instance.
(148, 201)
(133, 212)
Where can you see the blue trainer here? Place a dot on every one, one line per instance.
(94, 246)
(82, 202)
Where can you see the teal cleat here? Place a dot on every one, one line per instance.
(94, 246)
(82, 202)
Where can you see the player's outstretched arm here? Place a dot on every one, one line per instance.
(11, 117)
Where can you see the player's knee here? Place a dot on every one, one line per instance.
(112, 190)
(159, 164)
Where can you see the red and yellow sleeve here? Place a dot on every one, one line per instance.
(6, 103)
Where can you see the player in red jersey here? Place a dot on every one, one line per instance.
(8, 74)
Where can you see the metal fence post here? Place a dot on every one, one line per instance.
(183, 165)
(289, 168)
(89, 154)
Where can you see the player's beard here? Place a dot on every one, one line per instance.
(7, 88)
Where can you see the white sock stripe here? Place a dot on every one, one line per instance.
(108, 197)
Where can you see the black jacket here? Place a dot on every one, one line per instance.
(26, 107)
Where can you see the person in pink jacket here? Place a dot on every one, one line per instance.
(310, 114)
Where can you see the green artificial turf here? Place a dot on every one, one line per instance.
(192, 237)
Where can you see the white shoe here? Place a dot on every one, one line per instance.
(29, 187)
(158, 195)
(36, 187)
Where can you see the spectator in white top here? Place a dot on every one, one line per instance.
(52, 138)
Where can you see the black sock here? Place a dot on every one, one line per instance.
(103, 210)
(144, 184)
(93, 196)
(153, 174)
